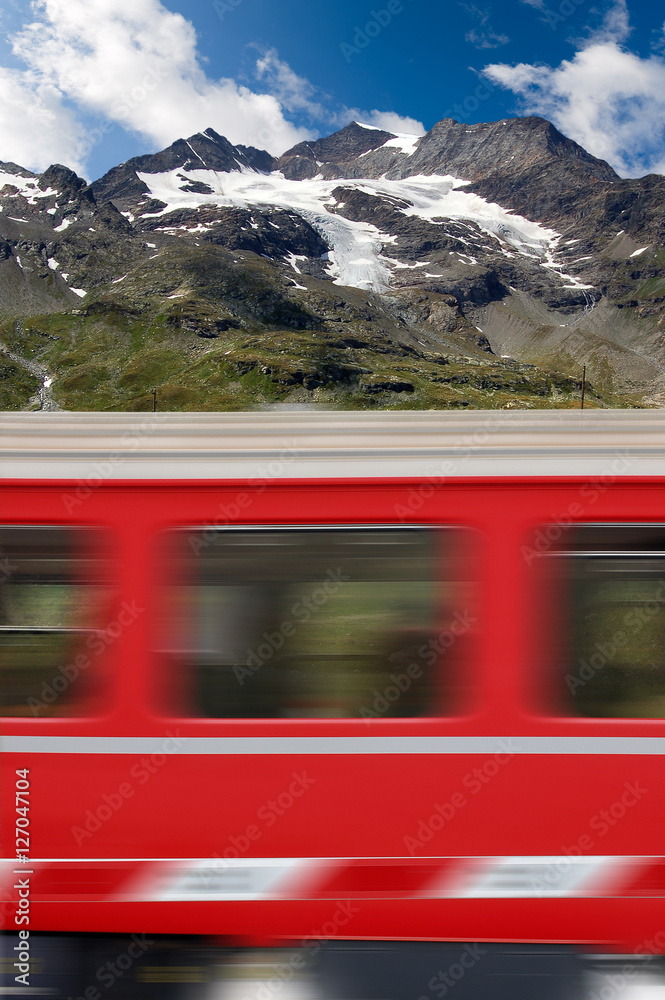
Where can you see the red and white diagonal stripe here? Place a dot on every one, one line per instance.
(180, 879)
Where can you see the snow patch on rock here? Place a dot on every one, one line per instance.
(356, 246)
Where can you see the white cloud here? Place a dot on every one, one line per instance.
(615, 26)
(607, 98)
(136, 63)
(390, 121)
(298, 95)
(36, 129)
(486, 39)
(295, 93)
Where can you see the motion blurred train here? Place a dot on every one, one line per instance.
(347, 705)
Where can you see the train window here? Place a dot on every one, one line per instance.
(611, 656)
(314, 622)
(53, 598)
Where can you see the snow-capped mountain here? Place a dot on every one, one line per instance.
(506, 237)
(404, 206)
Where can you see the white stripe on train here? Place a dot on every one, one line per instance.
(242, 745)
(236, 879)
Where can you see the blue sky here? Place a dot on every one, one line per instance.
(92, 82)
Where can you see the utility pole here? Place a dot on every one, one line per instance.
(583, 386)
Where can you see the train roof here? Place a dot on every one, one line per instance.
(283, 444)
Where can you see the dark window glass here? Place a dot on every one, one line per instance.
(314, 623)
(53, 597)
(611, 657)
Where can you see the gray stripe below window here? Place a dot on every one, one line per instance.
(174, 743)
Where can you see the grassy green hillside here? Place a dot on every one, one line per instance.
(211, 330)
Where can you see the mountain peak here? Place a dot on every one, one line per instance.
(206, 150)
(344, 146)
(372, 128)
(62, 178)
(8, 167)
(210, 133)
(485, 147)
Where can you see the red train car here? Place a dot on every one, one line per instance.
(380, 691)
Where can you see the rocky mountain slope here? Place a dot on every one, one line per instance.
(479, 265)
